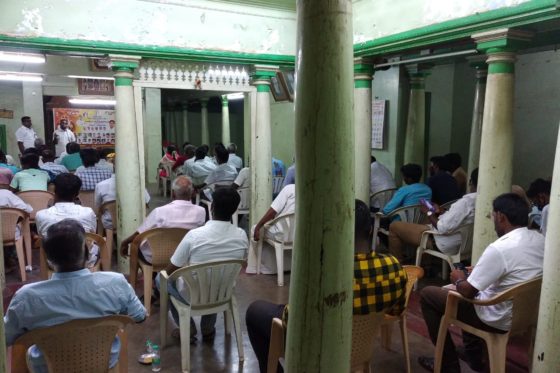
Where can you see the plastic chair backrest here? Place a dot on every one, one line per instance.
(38, 199)
(408, 214)
(87, 198)
(245, 195)
(287, 225)
(163, 242)
(525, 309)
(209, 284)
(364, 331)
(466, 232)
(277, 182)
(111, 207)
(77, 346)
(10, 217)
(380, 199)
(447, 205)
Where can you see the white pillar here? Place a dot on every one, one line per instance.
(3, 356)
(186, 134)
(225, 121)
(415, 146)
(33, 106)
(153, 133)
(130, 195)
(478, 113)
(496, 147)
(546, 357)
(320, 325)
(363, 72)
(249, 118)
(204, 118)
(261, 153)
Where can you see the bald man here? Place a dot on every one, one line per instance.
(179, 213)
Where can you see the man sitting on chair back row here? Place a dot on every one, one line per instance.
(516, 256)
(72, 293)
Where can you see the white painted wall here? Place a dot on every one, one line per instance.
(11, 98)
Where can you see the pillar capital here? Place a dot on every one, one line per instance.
(203, 102)
(502, 40)
(124, 67)
(260, 76)
(225, 100)
(363, 72)
(479, 64)
(417, 74)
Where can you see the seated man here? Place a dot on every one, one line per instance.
(200, 168)
(5, 164)
(412, 193)
(444, 186)
(539, 194)
(224, 173)
(234, 159)
(72, 159)
(188, 153)
(31, 177)
(516, 256)
(66, 190)
(72, 293)
(380, 179)
(47, 156)
(90, 173)
(103, 162)
(106, 191)
(454, 162)
(283, 204)
(379, 285)
(243, 181)
(217, 240)
(461, 212)
(290, 175)
(179, 213)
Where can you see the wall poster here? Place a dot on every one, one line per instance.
(378, 123)
(94, 127)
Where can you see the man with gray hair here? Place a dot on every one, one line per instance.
(179, 213)
(234, 160)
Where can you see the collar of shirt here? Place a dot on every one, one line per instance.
(218, 223)
(180, 202)
(73, 274)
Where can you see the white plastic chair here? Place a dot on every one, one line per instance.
(287, 225)
(407, 214)
(466, 232)
(277, 182)
(210, 290)
(164, 182)
(244, 206)
(382, 197)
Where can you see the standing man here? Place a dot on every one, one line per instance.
(62, 136)
(25, 135)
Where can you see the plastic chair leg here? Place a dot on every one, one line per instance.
(148, 271)
(497, 354)
(259, 255)
(228, 320)
(237, 326)
(386, 333)
(404, 338)
(280, 263)
(185, 331)
(21, 259)
(163, 310)
(419, 252)
(106, 259)
(26, 234)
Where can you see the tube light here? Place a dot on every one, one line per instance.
(235, 96)
(91, 77)
(21, 77)
(22, 57)
(91, 101)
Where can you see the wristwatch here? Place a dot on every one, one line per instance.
(459, 281)
(430, 213)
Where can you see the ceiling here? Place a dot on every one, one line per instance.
(289, 5)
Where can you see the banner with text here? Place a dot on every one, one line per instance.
(91, 126)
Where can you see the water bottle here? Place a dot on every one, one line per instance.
(156, 361)
(149, 346)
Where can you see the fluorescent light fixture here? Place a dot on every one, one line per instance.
(21, 57)
(92, 101)
(91, 77)
(235, 96)
(20, 77)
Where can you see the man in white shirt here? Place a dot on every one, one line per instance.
(444, 222)
(515, 257)
(199, 169)
(217, 240)
(242, 183)
(67, 187)
(25, 135)
(234, 159)
(380, 179)
(62, 136)
(284, 203)
(224, 174)
(539, 194)
(180, 213)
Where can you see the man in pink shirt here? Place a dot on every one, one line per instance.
(6, 176)
(179, 213)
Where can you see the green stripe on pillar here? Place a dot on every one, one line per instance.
(501, 68)
(263, 88)
(417, 86)
(362, 83)
(120, 81)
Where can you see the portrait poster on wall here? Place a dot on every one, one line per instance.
(378, 123)
(93, 127)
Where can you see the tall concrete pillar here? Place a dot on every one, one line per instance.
(415, 141)
(546, 358)
(130, 193)
(3, 356)
(478, 112)
(363, 73)
(496, 147)
(186, 135)
(153, 133)
(204, 119)
(319, 330)
(225, 121)
(33, 106)
(261, 138)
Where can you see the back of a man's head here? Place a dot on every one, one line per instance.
(103, 153)
(441, 163)
(232, 148)
(453, 160)
(64, 245)
(47, 155)
(182, 188)
(189, 150)
(412, 173)
(67, 187)
(513, 207)
(539, 186)
(30, 160)
(89, 157)
(171, 149)
(200, 153)
(362, 224)
(222, 155)
(474, 178)
(72, 147)
(225, 201)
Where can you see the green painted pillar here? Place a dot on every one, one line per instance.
(130, 191)
(478, 112)
(320, 324)
(204, 119)
(225, 121)
(546, 358)
(415, 141)
(496, 147)
(261, 138)
(363, 76)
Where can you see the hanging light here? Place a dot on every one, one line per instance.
(20, 77)
(22, 57)
(92, 101)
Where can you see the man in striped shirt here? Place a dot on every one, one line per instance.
(90, 173)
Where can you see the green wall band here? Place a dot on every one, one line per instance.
(263, 88)
(120, 81)
(501, 68)
(362, 83)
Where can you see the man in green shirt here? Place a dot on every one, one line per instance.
(72, 160)
(31, 177)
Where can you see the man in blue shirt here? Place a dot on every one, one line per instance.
(72, 293)
(412, 193)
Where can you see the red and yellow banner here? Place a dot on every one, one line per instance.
(91, 126)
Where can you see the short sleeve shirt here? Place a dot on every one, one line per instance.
(243, 179)
(27, 136)
(285, 202)
(30, 179)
